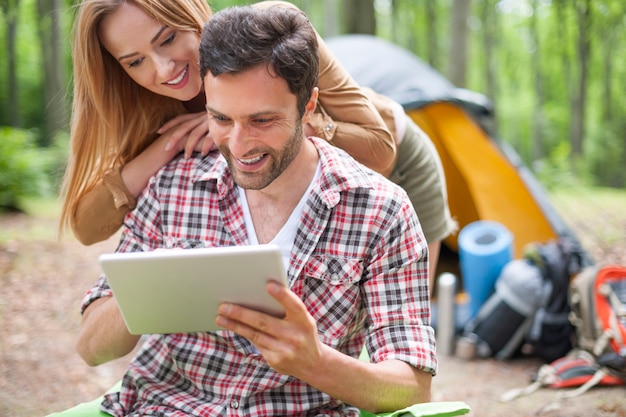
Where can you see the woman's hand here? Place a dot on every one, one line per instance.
(188, 132)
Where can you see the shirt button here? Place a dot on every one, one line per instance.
(334, 278)
(328, 127)
(234, 404)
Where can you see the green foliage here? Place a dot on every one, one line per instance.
(24, 168)
(556, 171)
(528, 37)
(514, 121)
(605, 155)
(28, 67)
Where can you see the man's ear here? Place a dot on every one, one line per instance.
(309, 109)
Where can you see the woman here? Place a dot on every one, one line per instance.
(138, 102)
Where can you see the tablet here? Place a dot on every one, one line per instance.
(179, 290)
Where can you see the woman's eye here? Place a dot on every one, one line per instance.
(134, 63)
(169, 39)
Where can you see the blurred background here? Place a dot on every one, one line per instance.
(553, 69)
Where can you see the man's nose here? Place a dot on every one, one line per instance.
(237, 140)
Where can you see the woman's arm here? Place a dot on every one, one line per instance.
(101, 210)
(358, 127)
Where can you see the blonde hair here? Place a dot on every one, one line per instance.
(113, 118)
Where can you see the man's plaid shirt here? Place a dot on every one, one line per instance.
(359, 263)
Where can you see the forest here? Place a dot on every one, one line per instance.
(552, 68)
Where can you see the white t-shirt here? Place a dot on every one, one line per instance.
(287, 234)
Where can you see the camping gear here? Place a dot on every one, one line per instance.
(446, 322)
(485, 247)
(577, 369)
(502, 323)
(597, 297)
(598, 302)
(530, 306)
(551, 335)
(486, 179)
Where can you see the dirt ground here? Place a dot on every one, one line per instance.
(42, 280)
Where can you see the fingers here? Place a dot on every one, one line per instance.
(246, 321)
(207, 144)
(254, 326)
(176, 121)
(294, 307)
(186, 133)
(290, 345)
(197, 137)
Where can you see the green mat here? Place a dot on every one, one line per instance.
(432, 409)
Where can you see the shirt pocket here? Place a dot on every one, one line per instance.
(332, 295)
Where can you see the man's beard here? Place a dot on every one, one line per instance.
(279, 162)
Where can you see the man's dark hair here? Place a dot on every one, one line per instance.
(240, 38)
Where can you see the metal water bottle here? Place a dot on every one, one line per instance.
(446, 292)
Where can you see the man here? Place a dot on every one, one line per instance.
(357, 259)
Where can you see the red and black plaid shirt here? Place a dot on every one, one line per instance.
(359, 264)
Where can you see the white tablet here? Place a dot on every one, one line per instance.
(179, 290)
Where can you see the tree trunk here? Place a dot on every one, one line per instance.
(359, 16)
(538, 113)
(395, 20)
(608, 36)
(583, 12)
(331, 23)
(457, 70)
(566, 63)
(57, 109)
(11, 12)
(490, 36)
(431, 30)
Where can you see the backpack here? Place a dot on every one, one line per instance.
(597, 298)
(529, 308)
(598, 313)
(552, 333)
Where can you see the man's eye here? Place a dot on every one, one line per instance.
(220, 119)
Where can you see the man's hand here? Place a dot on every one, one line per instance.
(290, 345)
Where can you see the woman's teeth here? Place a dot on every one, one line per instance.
(178, 79)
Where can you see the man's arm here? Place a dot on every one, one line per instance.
(291, 346)
(375, 387)
(103, 335)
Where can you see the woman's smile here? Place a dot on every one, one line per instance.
(178, 81)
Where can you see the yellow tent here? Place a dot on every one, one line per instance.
(485, 177)
(482, 183)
